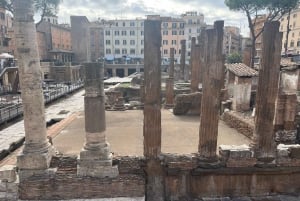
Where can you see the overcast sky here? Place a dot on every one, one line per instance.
(119, 9)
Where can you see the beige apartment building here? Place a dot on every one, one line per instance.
(172, 33)
(293, 41)
(232, 40)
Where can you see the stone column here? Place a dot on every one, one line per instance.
(37, 151)
(95, 159)
(201, 41)
(170, 83)
(212, 85)
(182, 59)
(264, 144)
(195, 66)
(152, 113)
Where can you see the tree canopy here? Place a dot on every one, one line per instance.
(43, 7)
(273, 9)
(234, 58)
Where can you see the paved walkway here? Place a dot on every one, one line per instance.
(60, 110)
(125, 134)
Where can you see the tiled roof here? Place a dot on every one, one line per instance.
(241, 70)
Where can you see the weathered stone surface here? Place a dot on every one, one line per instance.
(264, 144)
(188, 103)
(8, 173)
(237, 156)
(244, 125)
(286, 136)
(213, 80)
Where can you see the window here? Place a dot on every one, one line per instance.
(124, 51)
(142, 42)
(294, 24)
(123, 33)
(179, 51)
(142, 33)
(181, 25)
(107, 33)
(190, 21)
(181, 32)
(292, 44)
(124, 24)
(165, 32)
(298, 43)
(142, 51)
(132, 24)
(132, 42)
(165, 42)
(173, 42)
(117, 42)
(108, 51)
(174, 32)
(117, 33)
(174, 25)
(165, 51)
(132, 33)
(117, 24)
(117, 51)
(165, 25)
(132, 51)
(295, 15)
(107, 42)
(142, 24)
(190, 30)
(124, 42)
(198, 30)
(293, 35)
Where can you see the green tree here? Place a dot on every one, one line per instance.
(43, 7)
(274, 10)
(234, 58)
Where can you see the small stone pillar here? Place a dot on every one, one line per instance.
(170, 83)
(37, 152)
(212, 84)
(152, 113)
(95, 159)
(264, 144)
(195, 66)
(182, 60)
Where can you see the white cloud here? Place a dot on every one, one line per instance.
(112, 9)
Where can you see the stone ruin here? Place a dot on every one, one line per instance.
(237, 173)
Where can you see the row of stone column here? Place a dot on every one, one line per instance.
(95, 159)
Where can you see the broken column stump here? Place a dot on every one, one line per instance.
(95, 159)
(263, 141)
(210, 105)
(152, 113)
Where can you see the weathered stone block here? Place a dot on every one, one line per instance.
(94, 170)
(35, 161)
(8, 173)
(101, 154)
(295, 152)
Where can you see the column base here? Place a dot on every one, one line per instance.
(25, 174)
(209, 163)
(96, 163)
(266, 162)
(36, 160)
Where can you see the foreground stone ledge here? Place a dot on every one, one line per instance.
(237, 156)
(288, 155)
